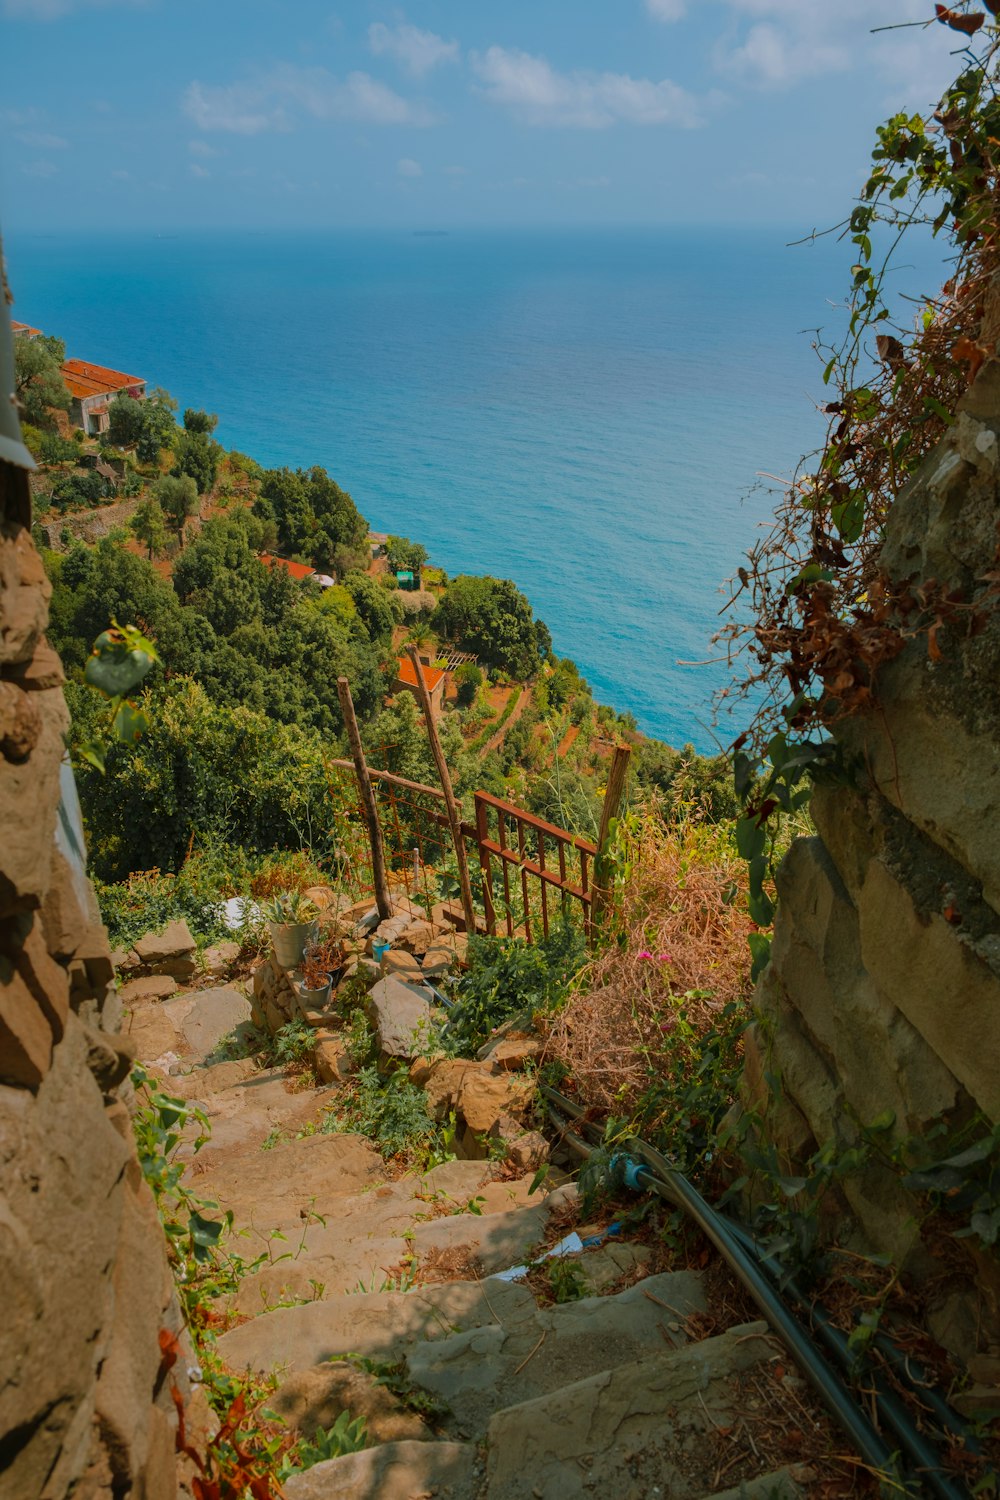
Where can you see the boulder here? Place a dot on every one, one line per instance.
(442, 1083)
(484, 1096)
(168, 952)
(220, 958)
(330, 1057)
(398, 961)
(401, 1015)
(509, 1056)
(528, 1152)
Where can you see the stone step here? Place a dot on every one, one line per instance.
(335, 1240)
(631, 1432)
(505, 1364)
(379, 1325)
(395, 1471)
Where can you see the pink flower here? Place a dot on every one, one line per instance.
(664, 958)
(645, 953)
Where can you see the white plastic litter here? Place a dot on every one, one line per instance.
(239, 912)
(567, 1246)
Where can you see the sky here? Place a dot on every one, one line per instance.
(266, 114)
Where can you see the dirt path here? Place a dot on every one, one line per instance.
(496, 740)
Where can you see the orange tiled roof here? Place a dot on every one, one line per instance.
(407, 675)
(294, 569)
(25, 328)
(84, 379)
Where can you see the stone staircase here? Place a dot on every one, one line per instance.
(386, 1295)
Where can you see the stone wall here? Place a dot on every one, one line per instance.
(883, 991)
(87, 1289)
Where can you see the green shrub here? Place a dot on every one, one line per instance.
(391, 1111)
(506, 976)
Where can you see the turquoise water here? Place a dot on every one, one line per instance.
(582, 412)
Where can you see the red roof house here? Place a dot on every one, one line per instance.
(92, 387)
(434, 677)
(299, 571)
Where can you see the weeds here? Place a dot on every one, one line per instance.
(391, 1111)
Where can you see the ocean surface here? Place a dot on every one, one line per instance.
(585, 412)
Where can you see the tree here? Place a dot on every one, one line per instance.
(126, 421)
(38, 383)
(204, 422)
(316, 519)
(378, 610)
(491, 618)
(158, 425)
(404, 554)
(468, 680)
(197, 458)
(178, 496)
(150, 526)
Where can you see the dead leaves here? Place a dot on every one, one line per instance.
(959, 21)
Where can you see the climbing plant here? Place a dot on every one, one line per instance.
(824, 616)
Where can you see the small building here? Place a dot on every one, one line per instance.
(434, 677)
(299, 571)
(378, 541)
(406, 580)
(25, 331)
(93, 388)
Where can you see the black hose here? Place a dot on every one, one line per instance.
(744, 1256)
(867, 1441)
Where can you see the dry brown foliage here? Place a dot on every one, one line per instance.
(682, 940)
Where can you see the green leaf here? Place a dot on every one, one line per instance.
(93, 752)
(759, 944)
(129, 723)
(761, 909)
(750, 838)
(539, 1178)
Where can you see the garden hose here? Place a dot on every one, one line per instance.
(644, 1167)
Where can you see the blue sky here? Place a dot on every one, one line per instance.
(263, 113)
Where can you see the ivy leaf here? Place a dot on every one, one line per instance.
(93, 752)
(750, 838)
(129, 723)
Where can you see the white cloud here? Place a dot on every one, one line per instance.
(272, 100)
(665, 10)
(202, 148)
(774, 44)
(51, 10)
(120, 175)
(197, 170)
(416, 51)
(40, 169)
(539, 95)
(407, 167)
(39, 141)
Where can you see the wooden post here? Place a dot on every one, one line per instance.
(613, 794)
(454, 814)
(379, 879)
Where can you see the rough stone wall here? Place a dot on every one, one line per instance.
(86, 1286)
(883, 990)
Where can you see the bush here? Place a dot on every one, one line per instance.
(391, 1111)
(468, 679)
(506, 977)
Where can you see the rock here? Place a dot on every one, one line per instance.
(401, 1015)
(312, 1399)
(398, 961)
(204, 1017)
(394, 1471)
(528, 1152)
(418, 936)
(439, 959)
(25, 1034)
(274, 994)
(484, 1096)
(330, 1058)
(327, 901)
(151, 987)
(442, 1083)
(168, 952)
(509, 1056)
(220, 958)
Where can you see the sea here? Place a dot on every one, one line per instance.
(603, 416)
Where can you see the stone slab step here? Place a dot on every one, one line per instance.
(484, 1369)
(395, 1471)
(629, 1432)
(380, 1325)
(777, 1486)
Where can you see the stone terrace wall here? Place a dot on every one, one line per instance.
(86, 1286)
(884, 985)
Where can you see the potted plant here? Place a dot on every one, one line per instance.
(319, 963)
(292, 921)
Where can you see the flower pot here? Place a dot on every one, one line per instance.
(315, 999)
(290, 941)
